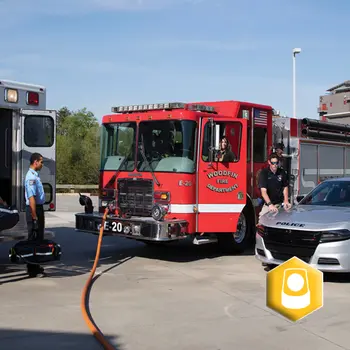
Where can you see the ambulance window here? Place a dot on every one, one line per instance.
(48, 192)
(39, 131)
(232, 132)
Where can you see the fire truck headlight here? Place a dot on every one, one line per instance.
(158, 212)
(11, 95)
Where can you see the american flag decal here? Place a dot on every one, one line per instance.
(260, 118)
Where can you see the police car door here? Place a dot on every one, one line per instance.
(38, 134)
(221, 186)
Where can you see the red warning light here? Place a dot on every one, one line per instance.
(32, 98)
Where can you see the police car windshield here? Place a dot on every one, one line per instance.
(169, 146)
(118, 143)
(331, 193)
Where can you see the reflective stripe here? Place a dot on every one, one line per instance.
(220, 208)
(182, 208)
(206, 208)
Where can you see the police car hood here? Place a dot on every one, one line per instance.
(309, 217)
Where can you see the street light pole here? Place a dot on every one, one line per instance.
(295, 52)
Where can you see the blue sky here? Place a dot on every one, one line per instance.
(103, 53)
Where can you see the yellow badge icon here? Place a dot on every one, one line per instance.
(294, 289)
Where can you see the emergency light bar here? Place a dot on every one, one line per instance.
(161, 106)
(201, 108)
(150, 107)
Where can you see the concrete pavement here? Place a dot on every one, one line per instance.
(177, 297)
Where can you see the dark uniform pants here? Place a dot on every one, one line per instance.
(37, 235)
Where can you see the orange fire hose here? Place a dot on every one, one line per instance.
(95, 332)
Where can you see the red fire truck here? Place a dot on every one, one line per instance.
(159, 171)
(163, 180)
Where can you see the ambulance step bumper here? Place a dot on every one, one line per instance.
(138, 228)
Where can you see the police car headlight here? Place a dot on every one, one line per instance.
(334, 236)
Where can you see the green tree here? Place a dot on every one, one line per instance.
(78, 147)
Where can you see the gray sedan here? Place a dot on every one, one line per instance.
(316, 230)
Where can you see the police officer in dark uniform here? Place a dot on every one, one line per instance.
(273, 183)
(35, 199)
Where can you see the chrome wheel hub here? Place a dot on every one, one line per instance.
(241, 229)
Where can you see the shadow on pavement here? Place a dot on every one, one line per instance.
(327, 276)
(336, 277)
(79, 249)
(17, 339)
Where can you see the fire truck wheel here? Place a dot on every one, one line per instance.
(239, 241)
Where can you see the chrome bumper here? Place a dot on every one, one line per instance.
(139, 228)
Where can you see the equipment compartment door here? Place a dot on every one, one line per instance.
(38, 134)
(221, 183)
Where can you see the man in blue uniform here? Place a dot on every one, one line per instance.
(35, 198)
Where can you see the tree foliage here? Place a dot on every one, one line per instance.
(78, 147)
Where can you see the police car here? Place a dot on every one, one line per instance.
(316, 230)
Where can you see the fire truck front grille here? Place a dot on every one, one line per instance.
(135, 197)
(284, 243)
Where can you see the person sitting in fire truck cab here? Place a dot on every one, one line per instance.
(273, 183)
(225, 153)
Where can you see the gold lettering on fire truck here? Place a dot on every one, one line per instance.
(223, 181)
(222, 173)
(222, 189)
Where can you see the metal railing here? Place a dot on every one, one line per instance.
(69, 188)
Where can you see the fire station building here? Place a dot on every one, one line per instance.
(335, 105)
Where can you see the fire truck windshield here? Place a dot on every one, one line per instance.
(118, 143)
(169, 146)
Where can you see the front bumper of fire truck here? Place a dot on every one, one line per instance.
(139, 228)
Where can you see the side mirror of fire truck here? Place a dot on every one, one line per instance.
(86, 202)
(217, 137)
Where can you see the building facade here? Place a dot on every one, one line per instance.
(335, 105)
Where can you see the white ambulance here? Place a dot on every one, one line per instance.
(26, 126)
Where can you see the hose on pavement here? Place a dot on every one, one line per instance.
(94, 330)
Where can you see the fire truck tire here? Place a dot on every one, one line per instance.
(241, 240)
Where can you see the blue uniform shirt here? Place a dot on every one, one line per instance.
(34, 187)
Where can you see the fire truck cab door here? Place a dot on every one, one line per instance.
(222, 177)
(38, 134)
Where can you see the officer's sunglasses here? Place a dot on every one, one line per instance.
(274, 163)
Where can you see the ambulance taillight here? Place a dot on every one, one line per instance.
(32, 98)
